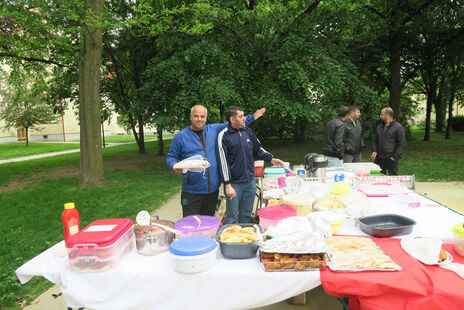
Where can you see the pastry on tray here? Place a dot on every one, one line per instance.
(238, 234)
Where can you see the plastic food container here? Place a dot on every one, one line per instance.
(198, 225)
(193, 254)
(270, 216)
(100, 245)
(373, 168)
(362, 172)
(274, 172)
(336, 220)
(302, 203)
(386, 225)
(239, 250)
(405, 200)
(458, 231)
(153, 240)
(259, 168)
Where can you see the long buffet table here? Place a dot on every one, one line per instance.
(148, 282)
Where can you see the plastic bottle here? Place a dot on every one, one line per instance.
(70, 218)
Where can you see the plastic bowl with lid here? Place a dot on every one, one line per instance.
(270, 216)
(458, 231)
(198, 225)
(193, 254)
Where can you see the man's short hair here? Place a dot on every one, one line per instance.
(232, 111)
(353, 108)
(343, 111)
(390, 112)
(198, 105)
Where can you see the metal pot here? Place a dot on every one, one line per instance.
(153, 240)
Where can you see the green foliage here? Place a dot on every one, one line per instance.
(458, 123)
(22, 104)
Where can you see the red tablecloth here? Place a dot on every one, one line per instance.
(417, 286)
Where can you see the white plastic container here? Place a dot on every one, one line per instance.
(193, 254)
(458, 231)
(302, 203)
(100, 245)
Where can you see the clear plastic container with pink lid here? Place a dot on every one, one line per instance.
(198, 225)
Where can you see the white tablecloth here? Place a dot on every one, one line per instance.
(148, 282)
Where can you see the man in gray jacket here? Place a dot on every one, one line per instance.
(353, 140)
(388, 143)
(334, 133)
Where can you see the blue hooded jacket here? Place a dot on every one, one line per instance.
(186, 144)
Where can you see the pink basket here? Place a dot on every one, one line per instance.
(270, 216)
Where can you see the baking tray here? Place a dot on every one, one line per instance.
(353, 254)
(295, 264)
(386, 225)
(235, 250)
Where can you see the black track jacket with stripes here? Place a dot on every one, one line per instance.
(236, 151)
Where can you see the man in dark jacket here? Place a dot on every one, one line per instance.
(353, 140)
(388, 143)
(237, 149)
(334, 133)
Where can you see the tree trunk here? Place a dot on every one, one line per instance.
(91, 159)
(450, 113)
(159, 130)
(395, 72)
(27, 136)
(141, 141)
(453, 85)
(439, 109)
(299, 131)
(430, 99)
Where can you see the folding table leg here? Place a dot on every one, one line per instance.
(298, 299)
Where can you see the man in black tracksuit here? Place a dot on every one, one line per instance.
(388, 143)
(334, 133)
(353, 139)
(237, 149)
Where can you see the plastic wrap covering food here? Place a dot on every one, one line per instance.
(194, 164)
(358, 254)
(299, 224)
(426, 250)
(273, 193)
(328, 202)
(358, 205)
(297, 235)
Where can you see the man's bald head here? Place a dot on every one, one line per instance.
(198, 107)
(387, 115)
(198, 117)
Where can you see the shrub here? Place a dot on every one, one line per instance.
(458, 123)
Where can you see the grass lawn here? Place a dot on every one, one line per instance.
(19, 149)
(32, 194)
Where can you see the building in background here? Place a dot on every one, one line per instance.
(67, 129)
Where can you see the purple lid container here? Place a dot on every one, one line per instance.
(197, 223)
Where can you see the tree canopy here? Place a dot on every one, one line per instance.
(301, 59)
